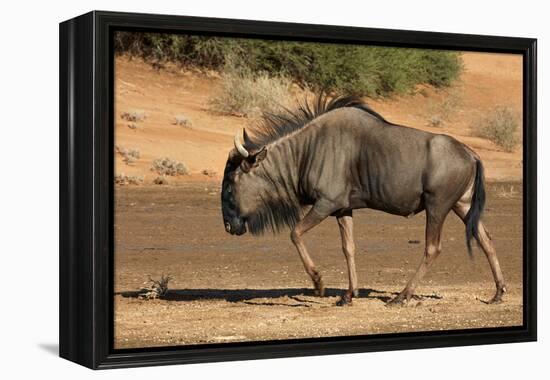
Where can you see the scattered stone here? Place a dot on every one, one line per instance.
(161, 180)
(183, 121)
(209, 172)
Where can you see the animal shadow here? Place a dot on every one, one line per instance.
(248, 295)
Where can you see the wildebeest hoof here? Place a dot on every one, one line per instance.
(319, 288)
(498, 296)
(345, 300)
(495, 300)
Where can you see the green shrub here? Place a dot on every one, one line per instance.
(501, 126)
(361, 70)
(207, 52)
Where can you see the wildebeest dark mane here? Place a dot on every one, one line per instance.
(284, 209)
(273, 126)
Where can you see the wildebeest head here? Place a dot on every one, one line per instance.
(238, 197)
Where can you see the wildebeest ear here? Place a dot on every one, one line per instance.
(259, 157)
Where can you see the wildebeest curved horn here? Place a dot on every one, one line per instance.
(239, 146)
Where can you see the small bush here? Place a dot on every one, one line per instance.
(133, 116)
(442, 111)
(122, 179)
(501, 126)
(167, 166)
(161, 180)
(435, 121)
(183, 121)
(245, 93)
(129, 156)
(155, 288)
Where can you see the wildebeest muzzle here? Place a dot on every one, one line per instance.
(235, 227)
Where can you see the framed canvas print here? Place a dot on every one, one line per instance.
(236, 189)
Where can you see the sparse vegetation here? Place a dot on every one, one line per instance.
(441, 112)
(508, 191)
(155, 288)
(122, 179)
(167, 166)
(435, 121)
(183, 121)
(161, 180)
(129, 156)
(245, 93)
(133, 126)
(361, 70)
(133, 116)
(500, 126)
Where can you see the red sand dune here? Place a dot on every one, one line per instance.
(488, 80)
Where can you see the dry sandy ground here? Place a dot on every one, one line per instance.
(229, 288)
(488, 80)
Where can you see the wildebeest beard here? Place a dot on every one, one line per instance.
(275, 215)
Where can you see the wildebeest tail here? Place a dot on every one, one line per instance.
(476, 208)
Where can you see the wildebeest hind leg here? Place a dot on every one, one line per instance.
(312, 219)
(461, 209)
(434, 224)
(345, 223)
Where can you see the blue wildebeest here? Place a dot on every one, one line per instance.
(337, 155)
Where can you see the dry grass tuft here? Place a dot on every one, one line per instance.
(167, 166)
(183, 121)
(435, 121)
(122, 179)
(441, 112)
(507, 191)
(248, 94)
(133, 115)
(500, 126)
(129, 156)
(155, 288)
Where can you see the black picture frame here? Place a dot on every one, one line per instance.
(86, 189)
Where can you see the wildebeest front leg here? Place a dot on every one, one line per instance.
(345, 222)
(434, 225)
(312, 219)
